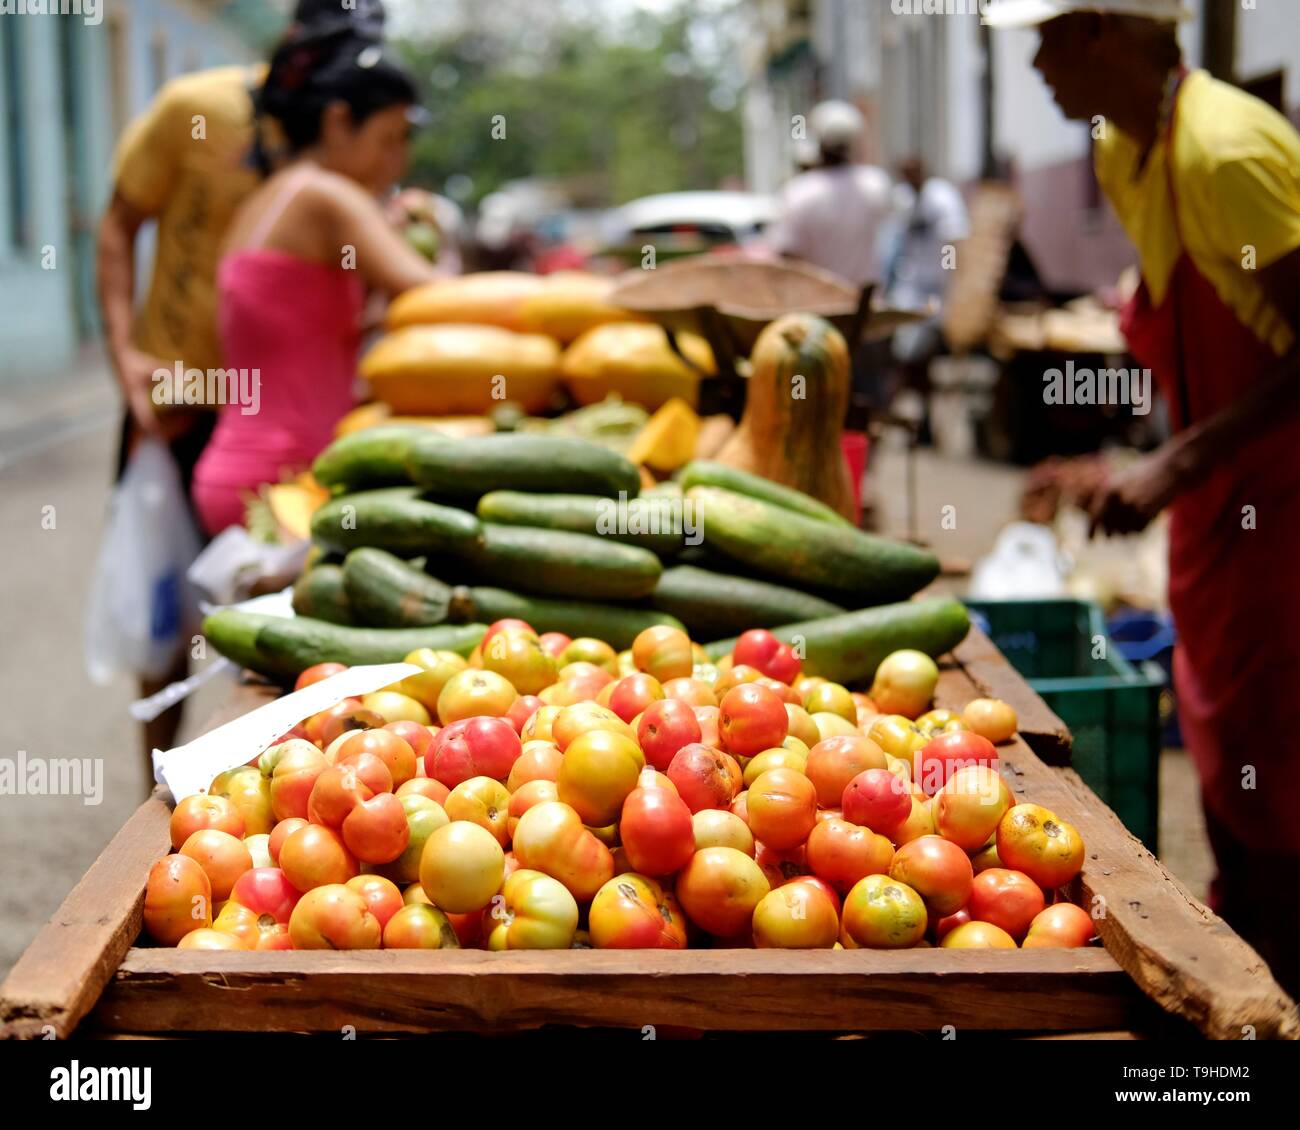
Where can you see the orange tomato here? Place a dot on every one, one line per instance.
(177, 899)
(977, 935)
(782, 808)
(882, 913)
(796, 916)
(223, 859)
(1034, 840)
(550, 838)
(719, 890)
(203, 811)
(1062, 925)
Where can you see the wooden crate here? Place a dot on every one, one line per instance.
(1168, 962)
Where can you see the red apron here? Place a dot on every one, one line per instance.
(1234, 543)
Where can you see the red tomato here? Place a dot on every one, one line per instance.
(376, 831)
(418, 737)
(719, 889)
(882, 913)
(782, 808)
(177, 899)
(976, 935)
(293, 768)
(834, 762)
(332, 917)
(316, 856)
(633, 693)
(473, 747)
(943, 756)
(507, 625)
(657, 831)
(877, 799)
(1036, 841)
(393, 750)
(796, 916)
(222, 857)
(761, 649)
(632, 911)
(842, 853)
(693, 692)
(550, 838)
(266, 890)
(663, 652)
(705, 778)
(316, 673)
(939, 871)
(203, 811)
(554, 643)
(666, 725)
(1007, 899)
(1062, 925)
(381, 895)
(423, 927)
(335, 794)
(752, 718)
(522, 709)
(950, 922)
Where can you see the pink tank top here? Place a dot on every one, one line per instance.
(296, 324)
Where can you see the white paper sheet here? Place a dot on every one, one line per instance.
(189, 769)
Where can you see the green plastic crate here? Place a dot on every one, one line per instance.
(1112, 706)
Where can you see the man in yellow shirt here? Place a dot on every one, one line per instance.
(1206, 181)
(185, 162)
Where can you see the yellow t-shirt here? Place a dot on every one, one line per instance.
(184, 162)
(1236, 169)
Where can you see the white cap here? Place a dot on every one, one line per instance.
(836, 125)
(1029, 13)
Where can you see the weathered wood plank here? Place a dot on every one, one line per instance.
(61, 974)
(735, 990)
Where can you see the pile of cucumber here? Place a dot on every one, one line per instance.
(428, 538)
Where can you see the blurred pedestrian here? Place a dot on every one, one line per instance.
(184, 163)
(931, 219)
(298, 258)
(1206, 180)
(831, 215)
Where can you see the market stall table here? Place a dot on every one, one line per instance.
(1168, 965)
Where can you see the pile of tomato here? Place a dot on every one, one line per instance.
(552, 793)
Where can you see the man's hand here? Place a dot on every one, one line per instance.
(135, 375)
(1127, 502)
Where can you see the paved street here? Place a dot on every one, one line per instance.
(57, 450)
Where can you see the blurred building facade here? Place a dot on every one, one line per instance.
(971, 105)
(68, 86)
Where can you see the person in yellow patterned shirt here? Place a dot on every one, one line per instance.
(1206, 181)
(185, 163)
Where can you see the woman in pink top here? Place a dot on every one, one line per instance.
(300, 255)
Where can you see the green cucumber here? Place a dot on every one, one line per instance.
(396, 519)
(706, 473)
(555, 563)
(374, 457)
(848, 648)
(718, 604)
(282, 648)
(808, 552)
(319, 593)
(518, 461)
(617, 626)
(385, 592)
(651, 523)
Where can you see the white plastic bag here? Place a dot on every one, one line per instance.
(141, 606)
(1025, 564)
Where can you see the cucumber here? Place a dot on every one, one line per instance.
(651, 523)
(617, 626)
(396, 519)
(808, 552)
(706, 473)
(718, 604)
(556, 563)
(319, 593)
(515, 461)
(375, 457)
(848, 648)
(282, 648)
(385, 592)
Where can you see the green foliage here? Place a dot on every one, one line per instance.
(616, 118)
